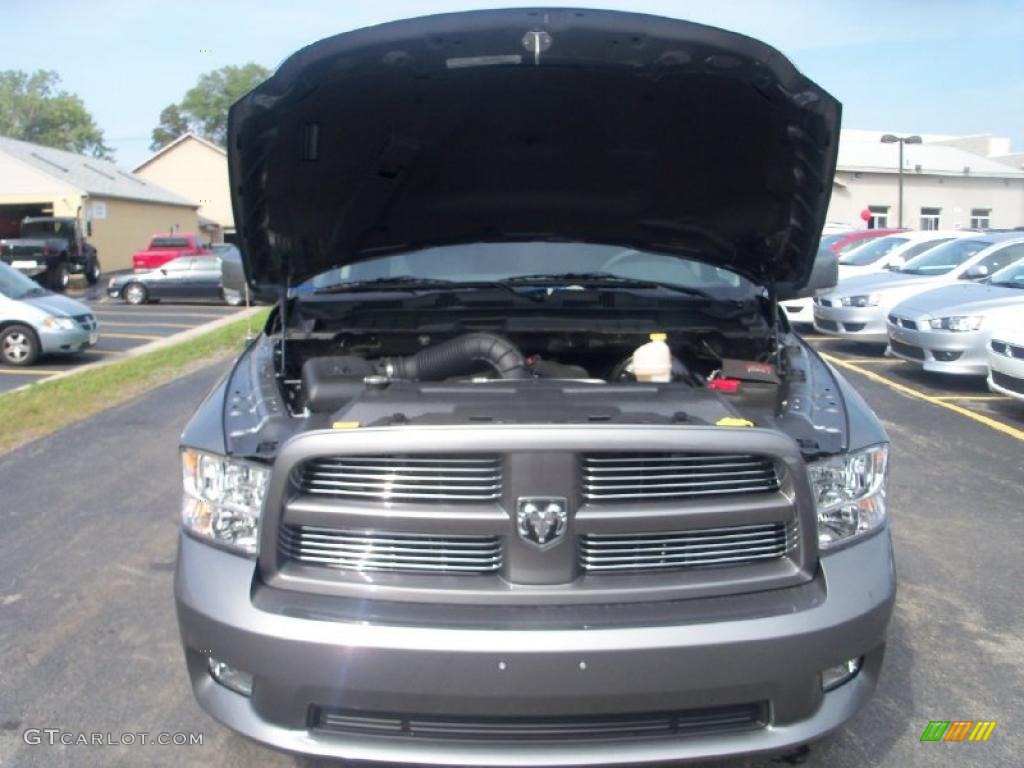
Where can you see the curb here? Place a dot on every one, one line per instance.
(152, 346)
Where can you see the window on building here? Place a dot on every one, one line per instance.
(879, 217)
(981, 218)
(930, 218)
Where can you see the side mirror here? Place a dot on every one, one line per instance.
(896, 262)
(977, 272)
(824, 275)
(163, 271)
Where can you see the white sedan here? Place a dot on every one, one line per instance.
(1006, 362)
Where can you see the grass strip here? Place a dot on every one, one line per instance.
(44, 407)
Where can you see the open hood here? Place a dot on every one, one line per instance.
(514, 125)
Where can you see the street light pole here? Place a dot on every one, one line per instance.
(901, 140)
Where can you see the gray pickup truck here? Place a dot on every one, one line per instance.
(51, 250)
(527, 467)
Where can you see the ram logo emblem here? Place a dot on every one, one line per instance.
(542, 520)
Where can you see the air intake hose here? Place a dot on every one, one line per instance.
(460, 356)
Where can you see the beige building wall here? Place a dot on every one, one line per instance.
(129, 224)
(198, 172)
(955, 197)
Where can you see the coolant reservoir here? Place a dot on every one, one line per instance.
(653, 361)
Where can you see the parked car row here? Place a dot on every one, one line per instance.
(948, 302)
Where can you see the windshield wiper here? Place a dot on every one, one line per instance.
(595, 279)
(403, 282)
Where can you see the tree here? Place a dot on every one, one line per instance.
(34, 108)
(172, 125)
(204, 110)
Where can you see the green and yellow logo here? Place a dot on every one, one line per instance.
(958, 730)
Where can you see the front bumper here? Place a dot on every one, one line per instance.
(865, 324)
(303, 659)
(62, 342)
(29, 267)
(962, 353)
(1006, 374)
(799, 310)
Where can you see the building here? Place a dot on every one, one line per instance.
(197, 169)
(121, 209)
(948, 182)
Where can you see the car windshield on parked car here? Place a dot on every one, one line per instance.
(871, 251)
(47, 228)
(943, 258)
(538, 262)
(1009, 277)
(169, 242)
(15, 285)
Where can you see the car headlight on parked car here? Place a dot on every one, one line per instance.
(957, 323)
(849, 490)
(61, 323)
(223, 499)
(865, 300)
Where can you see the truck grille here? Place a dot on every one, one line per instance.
(602, 728)
(646, 476)
(686, 549)
(395, 552)
(444, 479)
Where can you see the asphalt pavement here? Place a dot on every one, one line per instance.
(89, 644)
(122, 327)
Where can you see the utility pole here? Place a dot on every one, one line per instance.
(901, 140)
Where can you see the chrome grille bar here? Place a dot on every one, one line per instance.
(621, 477)
(686, 549)
(403, 478)
(396, 552)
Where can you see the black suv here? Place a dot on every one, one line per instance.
(51, 250)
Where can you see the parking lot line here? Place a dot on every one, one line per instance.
(973, 397)
(148, 325)
(143, 336)
(999, 426)
(137, 315)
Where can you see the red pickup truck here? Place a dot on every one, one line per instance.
(164, 247)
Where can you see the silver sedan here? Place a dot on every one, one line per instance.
(947, 330)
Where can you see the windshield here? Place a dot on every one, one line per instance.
(48, 228)
(491, 262)
(169, 242)
(829, 240)
(15, 285)
(871, 251)
(1009, 277)
(944, 258)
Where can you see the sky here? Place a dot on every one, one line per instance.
(914, 66)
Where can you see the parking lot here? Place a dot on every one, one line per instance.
(969, 396)
(88, 638)
(122, 327)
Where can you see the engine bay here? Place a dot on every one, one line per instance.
(477, 378)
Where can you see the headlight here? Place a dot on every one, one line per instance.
(63, 323)
(957, 323)
(866, 300)
(223, 499)
(849, 491)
